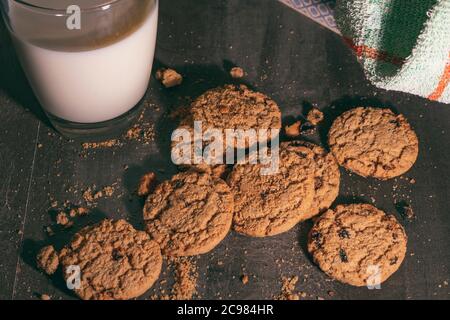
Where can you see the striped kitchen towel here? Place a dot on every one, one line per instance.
(321, 11)
(403, 45)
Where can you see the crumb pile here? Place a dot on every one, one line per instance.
(185, 286)
(288, 289)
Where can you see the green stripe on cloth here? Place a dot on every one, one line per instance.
(415, 34)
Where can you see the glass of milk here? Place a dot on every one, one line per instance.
(88, 61)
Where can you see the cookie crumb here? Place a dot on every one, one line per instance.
(101, 145)
(412, 181)
(82, 211)
(237, 73)
(169, 77)
(186, 276)
(87, 195)
(45, 297)
(146, 184)
(134, 133)
(315, 116)
(62, 219)
(142, 132)
(244, 279)
(77, 212)
(108, 191)
(72, 213)
(293, 130)
(90, 196)
(288, 288)
(47, 260)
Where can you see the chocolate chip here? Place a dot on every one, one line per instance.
(317, 238)
(116, 255)
(318, 183)
(393, 261)
(343, 234)
(397, 124)
(178, 184)
(343, 255)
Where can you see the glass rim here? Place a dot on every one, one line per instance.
(48, 9)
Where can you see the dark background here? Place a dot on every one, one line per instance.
(287, 56)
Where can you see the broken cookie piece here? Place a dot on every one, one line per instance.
(237, 73)
(244, 279)
(169, 77)
(47, 260)
(315, 116)
(146, 184)
(62, 219)
(293, 130)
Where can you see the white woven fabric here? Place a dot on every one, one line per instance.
(403, 45)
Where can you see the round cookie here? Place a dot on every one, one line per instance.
(326, 178)
(266, 205)
(189, 214)
(358, 244)
(235, 107)
(373, 142)
(229, 107)
(116, 261)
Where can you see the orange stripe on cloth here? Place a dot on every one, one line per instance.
(368, 52)
(443, 83)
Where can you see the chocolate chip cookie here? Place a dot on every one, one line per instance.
(115, 260)
(236, 107)
(266, 205)
(326, 178)
(230, 107)
(374, 142)
(189, 214)
(358, 244)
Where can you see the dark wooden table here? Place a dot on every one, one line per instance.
(287, 56)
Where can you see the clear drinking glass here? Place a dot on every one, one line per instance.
(88, 61)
